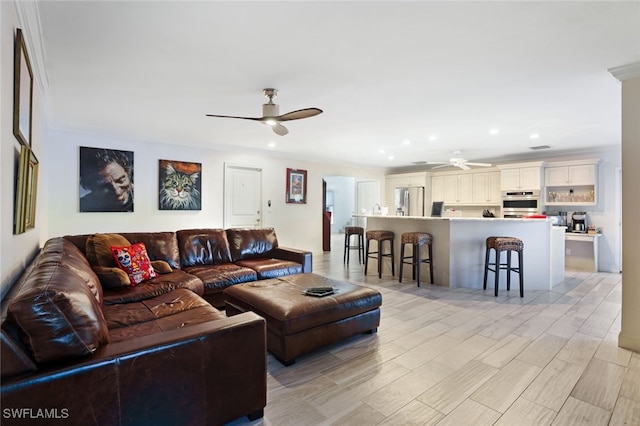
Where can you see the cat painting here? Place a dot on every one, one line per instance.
(180, 185)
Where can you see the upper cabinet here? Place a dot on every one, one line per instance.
(523, 176)
(570, 175)
(402, 180)
(466, 188)
(486, 188)
(571, 183)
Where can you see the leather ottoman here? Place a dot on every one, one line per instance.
(298, 324)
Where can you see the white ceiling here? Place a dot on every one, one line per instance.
(383, 72)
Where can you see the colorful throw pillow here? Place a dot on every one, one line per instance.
(134, 260)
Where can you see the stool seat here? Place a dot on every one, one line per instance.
(417, 240)
(420, 238)
(505, 243)
(358, 231)
(500, 244)
(380, 236)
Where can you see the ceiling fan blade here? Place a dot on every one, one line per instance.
(232, 116)
(442, 165)
(438, 162)
(463, 166)
(301, 113)
(478, 164)
(279, 129)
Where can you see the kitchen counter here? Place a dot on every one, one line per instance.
(459, 247)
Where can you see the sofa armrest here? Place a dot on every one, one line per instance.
(209, 373)
(300, 256)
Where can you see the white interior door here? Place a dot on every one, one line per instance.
(242, 196)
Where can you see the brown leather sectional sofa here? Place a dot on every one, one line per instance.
(73, 352)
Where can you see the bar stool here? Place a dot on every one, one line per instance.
(417, 240)
(348, 232)
(500, 244)
(380, 237)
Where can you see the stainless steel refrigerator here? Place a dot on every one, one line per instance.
(409, 201)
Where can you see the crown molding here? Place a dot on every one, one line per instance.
(626, 72)
(29, 21)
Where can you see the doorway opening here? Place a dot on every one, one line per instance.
(344, 196)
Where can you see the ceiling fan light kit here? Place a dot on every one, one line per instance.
(271, 114)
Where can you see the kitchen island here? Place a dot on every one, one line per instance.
(459, 248)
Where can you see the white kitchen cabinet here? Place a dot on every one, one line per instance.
(465, 189)
(437, 188)
(453, 189)
(400, 181)
(526, 176)
(486, 188)
(570, 175)
(450, 189)
(571, 183)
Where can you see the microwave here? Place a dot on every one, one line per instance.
(520, 203)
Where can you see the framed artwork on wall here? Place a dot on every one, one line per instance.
(26, 191)
(22, 91)
(180, 185)
(296, 186)
(106, 180)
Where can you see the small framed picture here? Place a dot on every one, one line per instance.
(296, 186)
(25, 211)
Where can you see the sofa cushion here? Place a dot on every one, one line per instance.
(161, 284)
(55, 310)
(173, 302)
(271, 268)
(203, 247)
(251, 243)
(134, 261)
(160, 245)
(73, 259)
(196, 315)
(219, 277)
(98, 249)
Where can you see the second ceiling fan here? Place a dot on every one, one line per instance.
(271, 114)
(458, 162)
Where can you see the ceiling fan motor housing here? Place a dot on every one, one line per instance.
(270, 110)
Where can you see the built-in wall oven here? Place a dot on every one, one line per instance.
(520, 203)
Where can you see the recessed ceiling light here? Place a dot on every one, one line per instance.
(406, 142)
(391, 157)
(381, 151)
(534, 136)
(494, 131)
(432, 138)
(272, 144)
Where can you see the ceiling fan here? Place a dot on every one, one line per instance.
(458, 162)
(271, 115)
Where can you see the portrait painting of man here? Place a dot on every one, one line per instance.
(106, 180)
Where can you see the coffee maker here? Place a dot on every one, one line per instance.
(579, 222)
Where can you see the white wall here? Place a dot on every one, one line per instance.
(16, 250)
(298, 226)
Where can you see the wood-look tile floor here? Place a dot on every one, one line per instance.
(464, 357)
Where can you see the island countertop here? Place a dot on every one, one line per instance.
(455, 219)
(459, 247)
